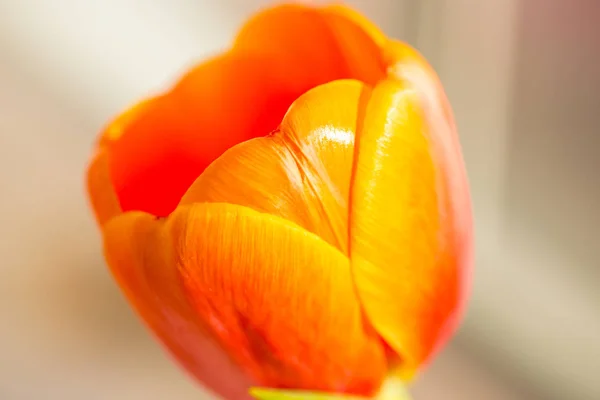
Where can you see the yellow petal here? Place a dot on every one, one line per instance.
(406, 248)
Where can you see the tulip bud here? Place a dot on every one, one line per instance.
(294, 213)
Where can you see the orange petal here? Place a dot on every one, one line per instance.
(101, 190)
(122, 122)
(140, 253)
(315, 44)
(302, 172)
(277, 298)
(408, 248)
(359, 42)
(308, 54)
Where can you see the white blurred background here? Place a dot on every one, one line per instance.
(524, 80)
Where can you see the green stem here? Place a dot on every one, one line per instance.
(393, 389)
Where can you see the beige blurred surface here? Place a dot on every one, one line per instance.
(523, 78)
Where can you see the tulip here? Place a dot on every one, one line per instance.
(293, 213)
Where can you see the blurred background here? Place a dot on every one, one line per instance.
(524, 81)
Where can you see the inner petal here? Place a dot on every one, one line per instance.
(278, 55)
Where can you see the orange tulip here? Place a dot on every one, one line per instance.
(293, 213)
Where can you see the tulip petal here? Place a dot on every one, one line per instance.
(121, 123)
(407, 252)
(140, 254)
(359, 42)
(277, 298)
(102, 194)
(300, 173)
(315, 44)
